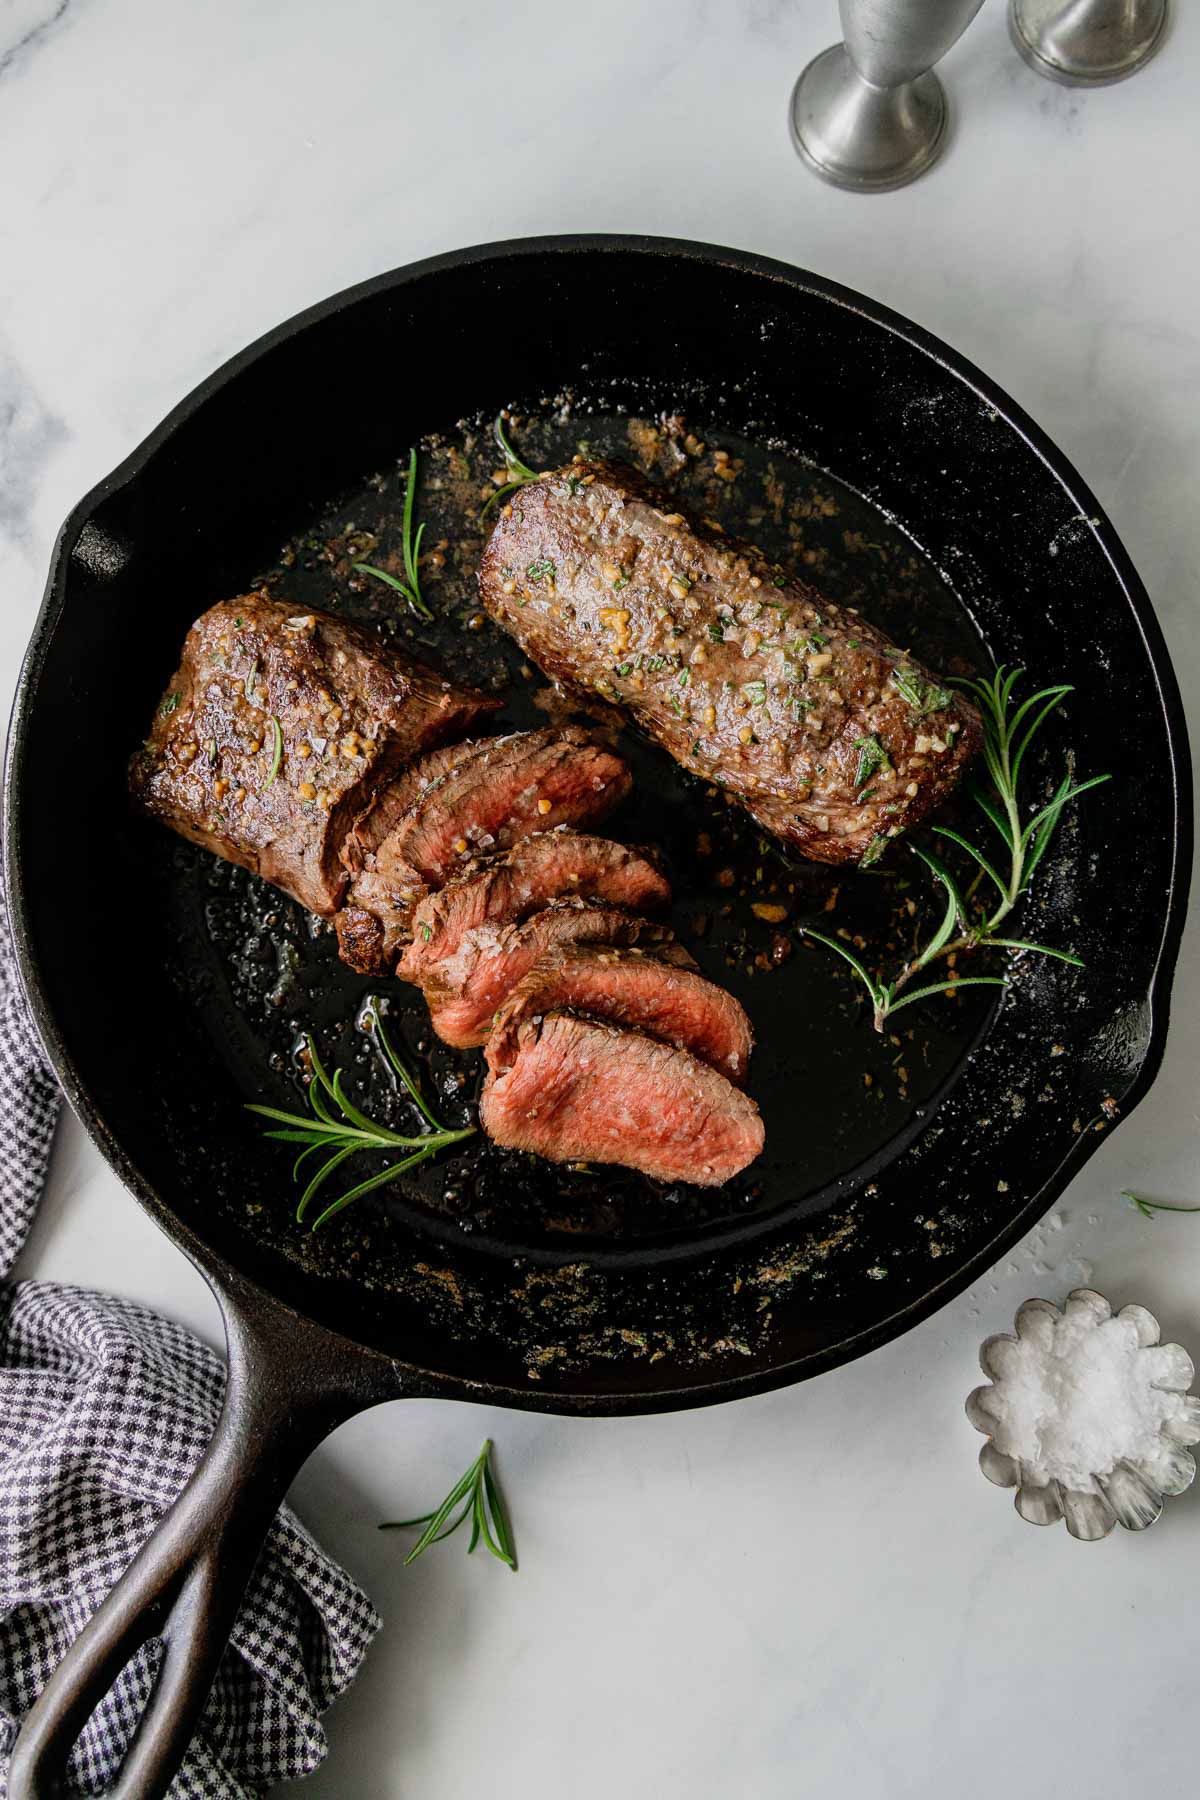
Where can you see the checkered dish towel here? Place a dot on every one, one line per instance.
(82, 1485)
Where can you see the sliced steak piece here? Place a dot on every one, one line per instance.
(277, 729)
(577, 1091)
(389, 807)
(550, 865)
(628, 987)
(530, 781)
(374, 927)
(834, 739)
(466, 988)
(487, 798)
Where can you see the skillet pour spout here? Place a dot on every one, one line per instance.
(908, 475)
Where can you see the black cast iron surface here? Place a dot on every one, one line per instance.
(898, 476)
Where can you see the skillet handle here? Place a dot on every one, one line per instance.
(290, 1383)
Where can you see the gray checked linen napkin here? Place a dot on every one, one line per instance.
(105, 1409)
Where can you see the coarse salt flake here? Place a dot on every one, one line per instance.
(1076, 1396)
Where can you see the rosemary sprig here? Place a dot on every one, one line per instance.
(410, 587)
(478, 1498)
(1008, 731)
(519, 473)
(1148, 1208)
(354, 1132)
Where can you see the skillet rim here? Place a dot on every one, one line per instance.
(221, 1274)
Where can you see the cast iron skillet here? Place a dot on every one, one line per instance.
(520, 1285)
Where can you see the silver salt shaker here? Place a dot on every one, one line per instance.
(869, 113)
(1086, 43)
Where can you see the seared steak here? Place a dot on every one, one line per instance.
(628, 987)
(487, 797)
(834, 739)
(577, 1091)
(300, 747)
(550, 865)
(278, 728)
(465, 989)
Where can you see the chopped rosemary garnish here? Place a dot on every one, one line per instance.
(1148, 1208)
(212, 753)
(871, 756)
(543, 569)
(923, 696)
(170, 705)
(755, 692)
(519, 473)
(873, 852)
(716, 632)
(478, 1496)
(354, 1131)
(1008, 734)
(276, 750)
(410, 587)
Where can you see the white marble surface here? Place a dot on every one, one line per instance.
(814, 1592)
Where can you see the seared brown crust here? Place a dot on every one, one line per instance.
(278, 728)
(578, 1091)
(466, 988)
(486, 796)
(636, 988)
(364, 938)
(549, 865)
(373, 929)
(834, 738)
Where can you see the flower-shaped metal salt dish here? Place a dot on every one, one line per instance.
(1087, 1415)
